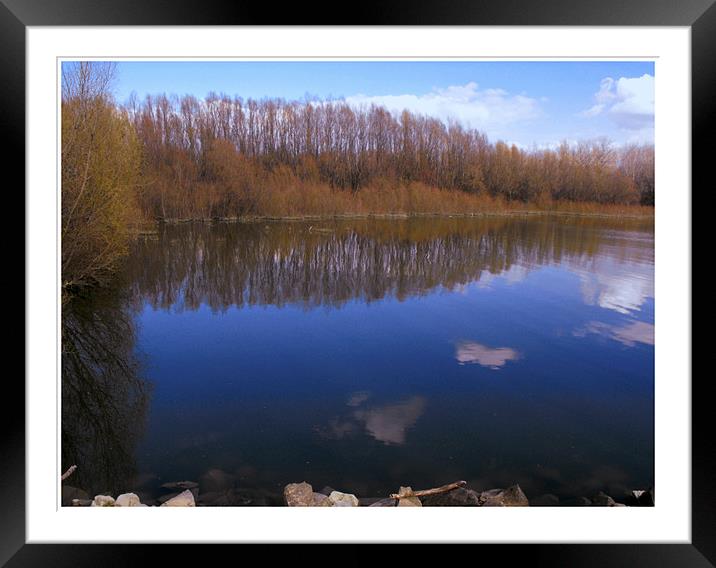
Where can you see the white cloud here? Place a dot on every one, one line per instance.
(628, 101)
(468, 104)
(594, 111)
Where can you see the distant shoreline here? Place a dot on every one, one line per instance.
(401, 216)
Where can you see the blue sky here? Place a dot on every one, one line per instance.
(527, 103)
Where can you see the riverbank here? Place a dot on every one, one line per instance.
(456, 494)
(637, 212)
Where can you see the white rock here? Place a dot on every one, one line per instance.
(127, 500)
(103, 501)
(184, 499)
(343, 499)
(321, 500)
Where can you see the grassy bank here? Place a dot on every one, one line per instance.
(416, 200)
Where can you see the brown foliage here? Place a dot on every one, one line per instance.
(100, 167)
(225, 157)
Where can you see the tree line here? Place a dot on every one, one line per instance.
(170, 157)
(214, 157)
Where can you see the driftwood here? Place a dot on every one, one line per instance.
(70, 471)
(426, 492)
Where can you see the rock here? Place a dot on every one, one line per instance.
(165, 498)
(546, 500)
(184, 499)
(321, 500)
(127, 500)
(327, 490)
(384, 503)
(601, 499)
(515, 497)
(510, 497)
(459, 497)
(70, 493)
(298, 494)
(343, 499)
(489, 494)
(103, 501)
(408, 501)
(81, 502)
(180, 485)
(215, 480)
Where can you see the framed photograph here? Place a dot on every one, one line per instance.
(407, 261)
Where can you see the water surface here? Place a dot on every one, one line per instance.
(366, 355)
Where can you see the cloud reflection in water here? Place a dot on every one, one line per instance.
(388, 423)
(629, 334)
(492, 357)
(620, 287)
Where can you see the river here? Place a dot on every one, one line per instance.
(369, 354)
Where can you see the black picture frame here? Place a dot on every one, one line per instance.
(699, 15)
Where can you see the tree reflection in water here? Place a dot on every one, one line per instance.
(327, 263)
(104, 397)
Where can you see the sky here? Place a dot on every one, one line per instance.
(533, 104)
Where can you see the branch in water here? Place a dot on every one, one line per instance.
(69, 472)
(426, 492)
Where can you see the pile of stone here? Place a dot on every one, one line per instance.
(303, 495)
(217, 488)
(183, 499)
(454, 495)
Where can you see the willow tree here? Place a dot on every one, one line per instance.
(100, 167)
